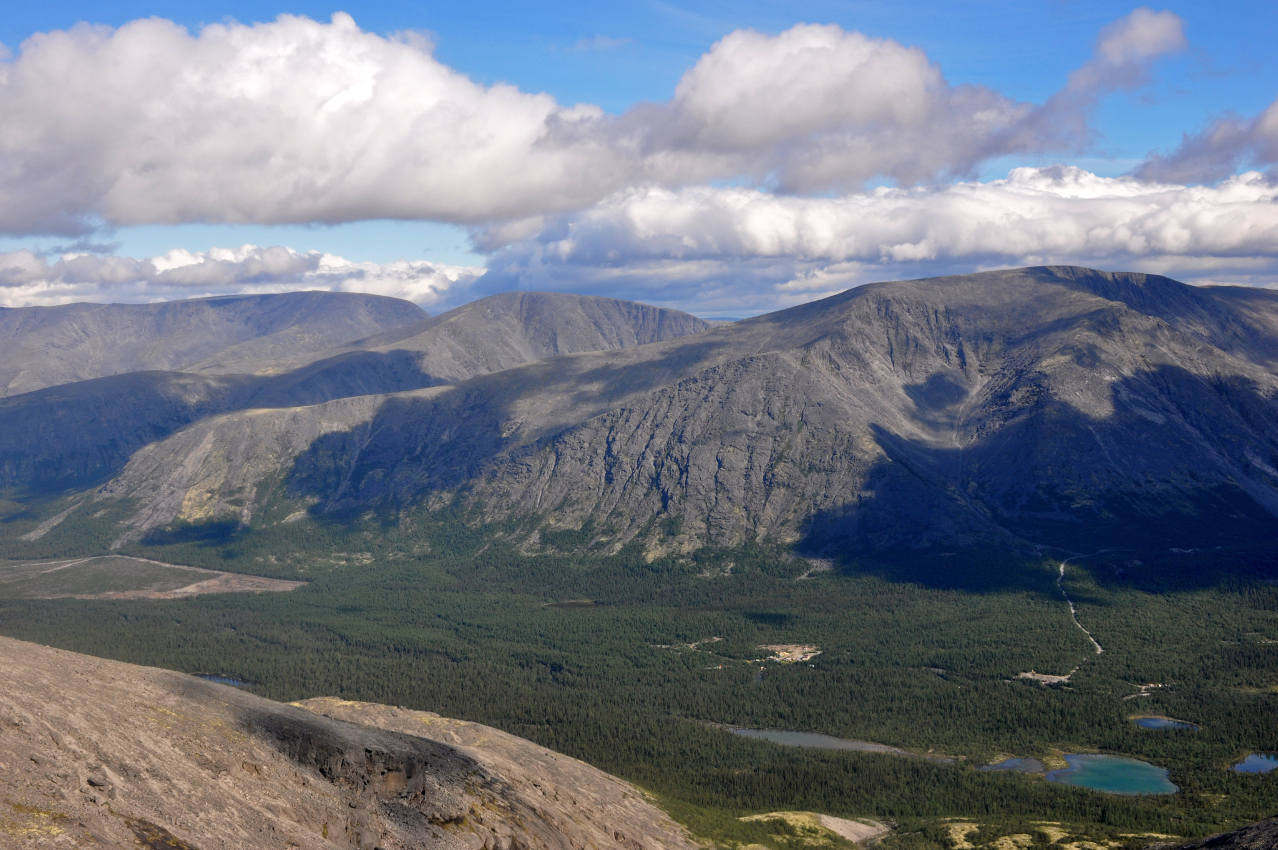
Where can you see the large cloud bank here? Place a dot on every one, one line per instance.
(303, 121)
(784, 249)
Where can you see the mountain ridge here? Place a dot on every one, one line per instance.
(511, 328)
(47, 346)
(1021, 407)
(930, 377)
(89, 428)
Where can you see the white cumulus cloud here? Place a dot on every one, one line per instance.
(817, 107)
(290, 121)
(303, 121)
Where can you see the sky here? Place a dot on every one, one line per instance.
(726, 158)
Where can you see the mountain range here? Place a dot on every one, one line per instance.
(1055, 406)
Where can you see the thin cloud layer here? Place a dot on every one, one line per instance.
(1120, 61)
(734, 251)
(28, 279)
(301, 121)
(1220, 150)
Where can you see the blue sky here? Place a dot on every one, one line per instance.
(628, 148)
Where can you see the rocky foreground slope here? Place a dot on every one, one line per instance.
(97, 753)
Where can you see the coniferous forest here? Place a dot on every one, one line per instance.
(640, 667)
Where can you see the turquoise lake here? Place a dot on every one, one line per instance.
(1113, 775)
(1257, 763)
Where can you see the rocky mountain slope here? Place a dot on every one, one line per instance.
(45, 346)
(1048, 405)
(1060, 406)
(97, 753)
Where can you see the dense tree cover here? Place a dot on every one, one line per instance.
(606, 657)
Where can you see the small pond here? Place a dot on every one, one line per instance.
(815, 740)
(1164, 723)
(1113, 775)
(1257, 763)
(221, 680)
(1017, 765)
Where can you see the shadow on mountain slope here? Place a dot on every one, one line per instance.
(1182, 464)
(411, 449)
(79, 435)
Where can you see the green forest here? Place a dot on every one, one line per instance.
(637, 667)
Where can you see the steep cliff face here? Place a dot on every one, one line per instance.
(103, 754)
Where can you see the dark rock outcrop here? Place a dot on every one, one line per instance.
(1257, 836)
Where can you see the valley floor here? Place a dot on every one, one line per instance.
(636, 667)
